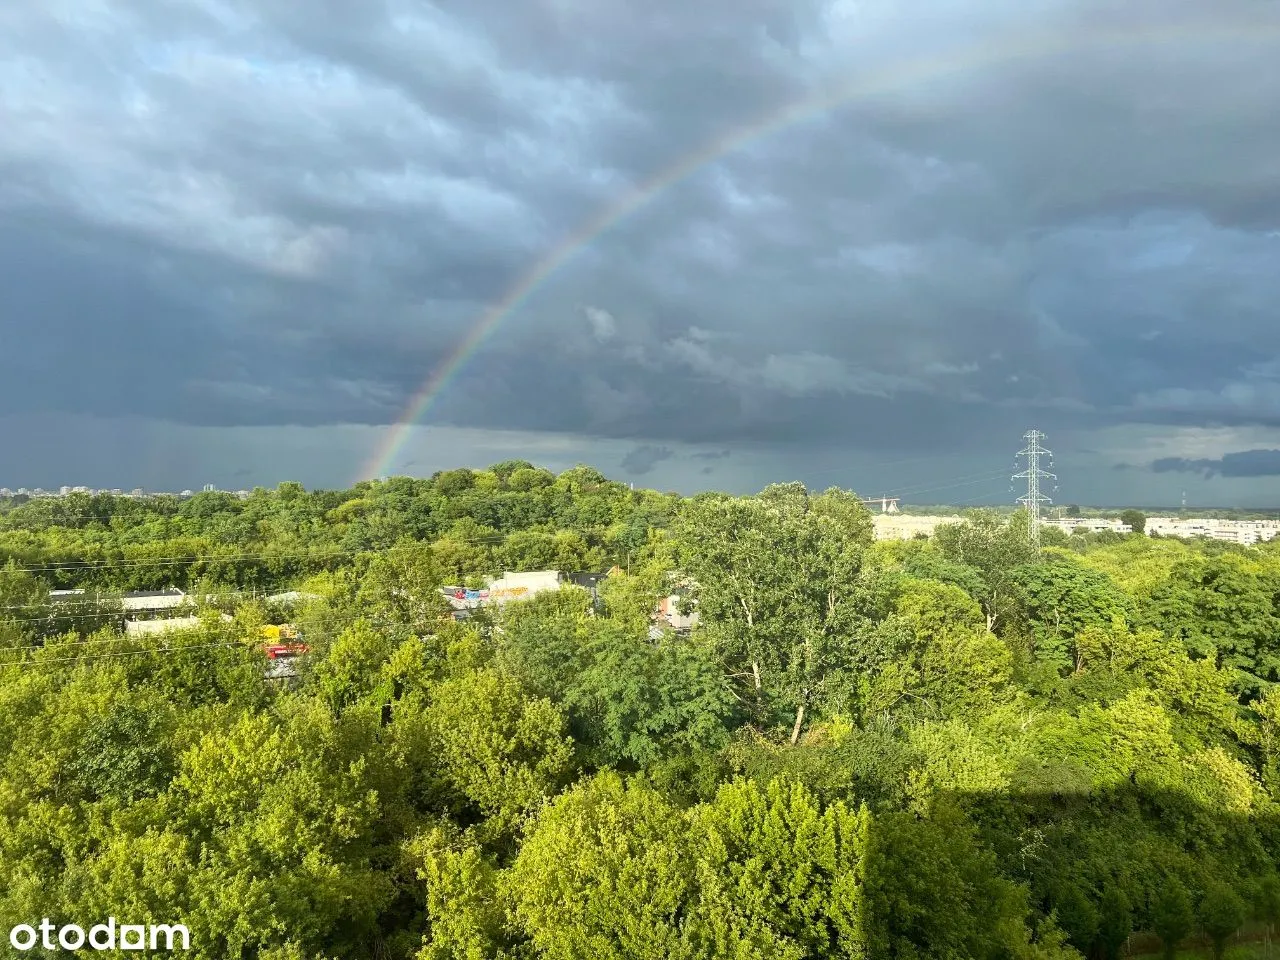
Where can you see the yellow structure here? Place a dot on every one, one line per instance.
(276, 633)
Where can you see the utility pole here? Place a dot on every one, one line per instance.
(1034, 500)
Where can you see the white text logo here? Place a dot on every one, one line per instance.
(102, 936)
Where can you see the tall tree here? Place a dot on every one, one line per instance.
(995, 546)
(1135, 519)
(1267, 904)
(779, 584)
(1172, 917)
(1222, 913)
(1058, 598)
(1115, 921)
(1223, 608)
(637, 701)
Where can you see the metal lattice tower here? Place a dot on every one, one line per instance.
(1034, 500)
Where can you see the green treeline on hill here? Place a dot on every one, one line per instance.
(964, 747)
(512, 516)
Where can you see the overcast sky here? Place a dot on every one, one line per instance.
(236, 237)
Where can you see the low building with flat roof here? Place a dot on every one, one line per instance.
(1087, 524)
(149, 601)
(136, 601)
(510, 586)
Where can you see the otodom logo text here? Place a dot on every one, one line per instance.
(100, 936)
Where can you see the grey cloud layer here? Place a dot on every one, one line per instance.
(288, 212)
(1245, 463)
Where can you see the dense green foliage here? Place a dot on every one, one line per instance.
(963, 747)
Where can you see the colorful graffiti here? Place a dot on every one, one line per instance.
(508, 592)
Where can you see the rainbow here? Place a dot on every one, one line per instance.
(971, 59)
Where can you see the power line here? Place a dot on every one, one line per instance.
(961, 482)
(109, 656)
(129, 563)
(122, 638)
(981, 496)
(115, 638)
(53, 609)
(54, 616)
(114, 601)
(19, 648)
(55, 518)
(196, 558)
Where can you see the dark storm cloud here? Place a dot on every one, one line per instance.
(644, 458)
(108, 323)
(287, 212)
(1245, 463)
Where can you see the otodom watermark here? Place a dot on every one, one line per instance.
(101, 936)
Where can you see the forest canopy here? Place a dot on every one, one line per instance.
(970, 746)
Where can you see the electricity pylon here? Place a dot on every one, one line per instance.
(1034, 500)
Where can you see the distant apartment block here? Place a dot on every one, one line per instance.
(1088, 524)
(901, 527)
(1234, 531)
(898, 526)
